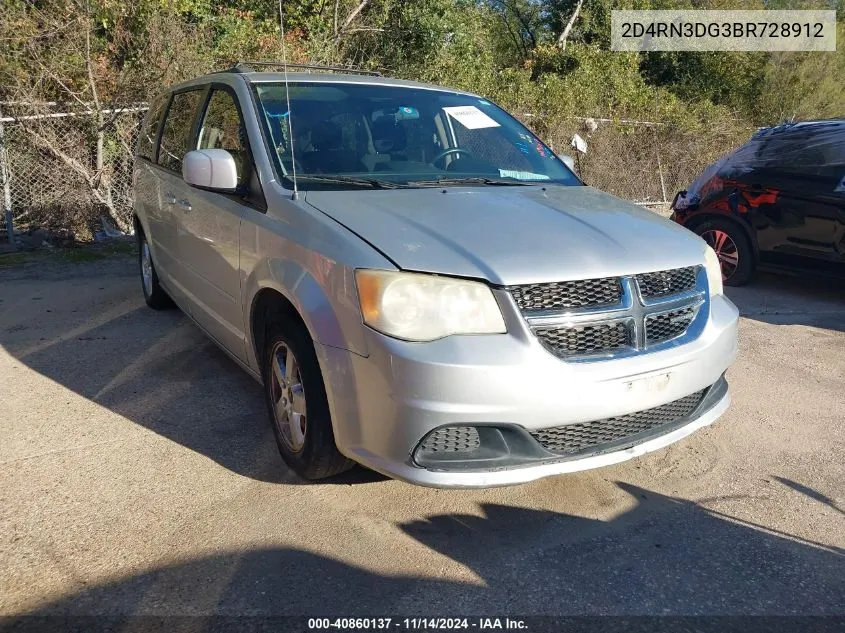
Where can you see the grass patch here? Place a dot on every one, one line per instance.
(97, 252)
(17, 258)
(76, 255)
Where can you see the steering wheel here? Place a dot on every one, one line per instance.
(451, 150)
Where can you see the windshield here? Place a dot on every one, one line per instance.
(358, 135)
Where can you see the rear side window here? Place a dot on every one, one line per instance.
(147, 140)
(178, 126)
(222, 128)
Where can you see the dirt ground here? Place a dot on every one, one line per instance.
(138, 475)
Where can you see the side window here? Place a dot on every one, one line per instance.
(147, 138)
(222, 128)
(177, 129)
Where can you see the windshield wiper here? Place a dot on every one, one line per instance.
(372, 183)
(483, 180)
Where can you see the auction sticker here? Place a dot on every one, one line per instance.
(470, 117)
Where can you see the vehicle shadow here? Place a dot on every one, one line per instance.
(154, 368)
(787, 299)
(663, 556)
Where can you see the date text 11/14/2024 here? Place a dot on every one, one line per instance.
(415, 624)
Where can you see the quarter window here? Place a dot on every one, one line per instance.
(177, 129)
(147, 140)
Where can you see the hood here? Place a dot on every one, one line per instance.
(512, 235)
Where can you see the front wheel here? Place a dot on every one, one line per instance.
(732, 247)
(297, 403)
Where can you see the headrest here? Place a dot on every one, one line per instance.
(326, 135)
(389, 136)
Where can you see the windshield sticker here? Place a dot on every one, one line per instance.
(522, 175)
(470, 117)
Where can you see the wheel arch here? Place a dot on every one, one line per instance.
(284, 288)
(268, 305)
(693, 222)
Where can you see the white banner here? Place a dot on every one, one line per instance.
(716, 30)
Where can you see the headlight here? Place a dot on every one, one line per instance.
(714, 271)
(418, 307)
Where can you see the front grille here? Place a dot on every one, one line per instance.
(451, 439)
(566, 295)
(583, 340)
(668, 325)
(576, 438)
(666, 282)
(572, 319)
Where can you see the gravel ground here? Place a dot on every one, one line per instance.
(138, 475)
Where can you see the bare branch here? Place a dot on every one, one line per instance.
(561, 41)
(354, 14)
(336, 4)
(366, 29)
(45, 143)
(518, 41)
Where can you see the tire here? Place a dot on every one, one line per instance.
(154, 294)
(311, 452)
(731, 244)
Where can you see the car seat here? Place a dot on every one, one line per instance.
(328, 155)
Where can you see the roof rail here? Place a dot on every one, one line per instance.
(247, 67)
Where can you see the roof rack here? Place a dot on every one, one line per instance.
(247, 67)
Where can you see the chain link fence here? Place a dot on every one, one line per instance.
(645, 162)
(66, 170)
(63, 170)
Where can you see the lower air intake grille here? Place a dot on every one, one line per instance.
(583, 340)
(575, 438)
(452, 439)
(667, 325)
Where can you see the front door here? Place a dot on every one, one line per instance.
(210, 225)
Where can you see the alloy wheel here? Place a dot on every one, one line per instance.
(146, 268)
(288, 397)
(725, 249)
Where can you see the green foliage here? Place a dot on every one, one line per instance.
(507, 50)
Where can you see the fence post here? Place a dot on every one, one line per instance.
(659, 167)
(660, 173)
(6, 176)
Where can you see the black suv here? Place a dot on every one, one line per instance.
(779, 199)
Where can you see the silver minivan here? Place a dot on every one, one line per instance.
(420, 284)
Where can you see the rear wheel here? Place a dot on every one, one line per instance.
(297, 403)
(154, 294)
(733, 248)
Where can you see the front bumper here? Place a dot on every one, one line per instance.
(383, 405)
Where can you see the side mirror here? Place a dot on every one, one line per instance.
(213, 169)
(568, 161)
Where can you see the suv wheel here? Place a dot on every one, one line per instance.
(154, 294)
(297, 403)
(733, 248)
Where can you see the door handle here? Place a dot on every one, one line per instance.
(184, 205)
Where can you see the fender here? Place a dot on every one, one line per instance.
(335, 323)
